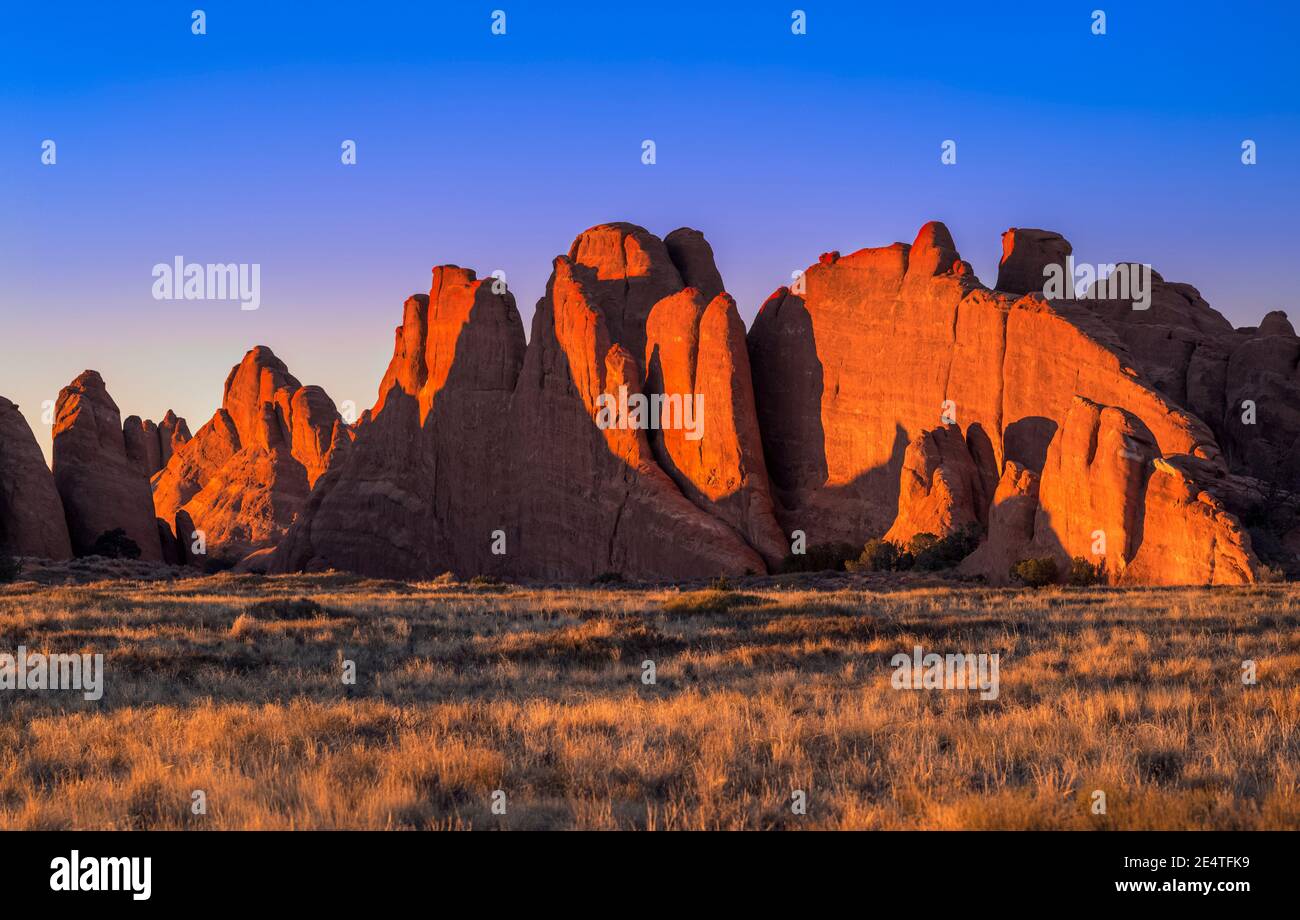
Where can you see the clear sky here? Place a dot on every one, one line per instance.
(495, 151)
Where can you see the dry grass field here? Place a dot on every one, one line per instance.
(225, 684)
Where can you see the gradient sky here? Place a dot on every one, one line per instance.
(495, 151)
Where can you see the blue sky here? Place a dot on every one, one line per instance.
(495, 151)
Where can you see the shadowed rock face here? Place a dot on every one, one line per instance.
(101, 487)
(150, 446)
(247, 473)
(1242, 382)
(421, 490)
(693, 256)
(1025, 255)
(32, 521)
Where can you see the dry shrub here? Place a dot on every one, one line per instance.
(712, 600)
(244, 625)
(284, 608)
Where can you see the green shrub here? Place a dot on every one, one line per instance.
(215, 565)
(924, 551)
(115, 544)
(820, 558)
(1084, 573)
(932, 553)
(880, 556)
(1036, 573)
(10, 568)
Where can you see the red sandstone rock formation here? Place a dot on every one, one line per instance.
(101, 487)
(247, 473)
(32, 521)
(422, 489)
(1093, 486)
(1188, 537)
(1108, 496)
(150, 446)
(1025, 256)
(626, 270)
(696, 356)
(586, 499)
(1069, 418)
(886, 343)
(941, 490)
(481, 456)
(1011, 526)
(1242, 382)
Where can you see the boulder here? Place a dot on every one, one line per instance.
(693, 256)
(1026, 254)
(1011, 526)
(941, 491)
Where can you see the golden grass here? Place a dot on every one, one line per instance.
(233, 686)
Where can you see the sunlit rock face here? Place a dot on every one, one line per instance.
(244, 477)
